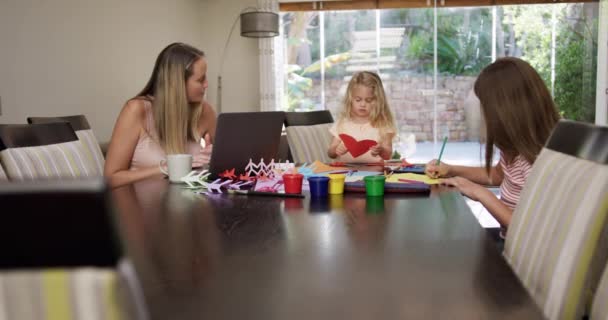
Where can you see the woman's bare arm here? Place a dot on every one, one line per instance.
(124, 139)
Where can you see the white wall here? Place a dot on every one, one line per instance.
(66, 57)
(240, 76)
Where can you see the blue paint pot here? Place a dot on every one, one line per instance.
(318, 186)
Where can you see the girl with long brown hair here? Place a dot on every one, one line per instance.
(519, 116)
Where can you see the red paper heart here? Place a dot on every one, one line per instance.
(357, 148)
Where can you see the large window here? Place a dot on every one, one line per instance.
(429, 58)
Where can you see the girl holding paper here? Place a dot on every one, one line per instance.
(365, 129)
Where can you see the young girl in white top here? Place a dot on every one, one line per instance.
(366, 116)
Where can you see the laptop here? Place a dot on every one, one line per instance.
(241, 136)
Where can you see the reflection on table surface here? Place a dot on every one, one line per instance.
(346, 256)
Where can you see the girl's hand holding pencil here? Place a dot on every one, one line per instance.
(437, 171)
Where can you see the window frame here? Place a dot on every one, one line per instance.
(396, 4)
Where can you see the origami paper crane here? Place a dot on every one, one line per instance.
(228, 174)
(196, 179)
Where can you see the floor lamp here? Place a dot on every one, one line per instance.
(254, 24)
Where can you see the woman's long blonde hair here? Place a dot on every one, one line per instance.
(175, 118)
(517, 107)
(381, 116)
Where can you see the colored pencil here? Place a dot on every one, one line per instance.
(445, 139)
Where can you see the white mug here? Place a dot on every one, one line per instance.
(178, 165)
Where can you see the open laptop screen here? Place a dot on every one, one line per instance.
(245, 135)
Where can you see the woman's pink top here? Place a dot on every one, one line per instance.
(148, 152)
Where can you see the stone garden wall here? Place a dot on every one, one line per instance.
(411, 100)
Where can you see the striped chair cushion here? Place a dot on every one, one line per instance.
(309, 143)
(552, 242)
(61, 160)
(92, 148)
(2, 174)
(51, 294)
(600, 302)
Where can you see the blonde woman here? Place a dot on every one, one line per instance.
(366, 115)
(169, 116)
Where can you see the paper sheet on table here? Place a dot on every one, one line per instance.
(412, 176)
(359, 175)
(322, 167)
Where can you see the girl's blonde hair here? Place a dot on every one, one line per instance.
(381, 116)
(517, 107)
(175, 118)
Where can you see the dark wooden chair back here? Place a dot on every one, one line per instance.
(57, 224)
(26, 135)
(78, 122)
(308, 118)
(581, 140)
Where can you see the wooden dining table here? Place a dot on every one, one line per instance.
(401, 256)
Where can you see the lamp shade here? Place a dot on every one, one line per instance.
(259, 24)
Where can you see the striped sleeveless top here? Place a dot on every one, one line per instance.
(515, 175)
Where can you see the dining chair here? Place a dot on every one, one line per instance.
(600, 300)
(84, 132)
(308, 118)
(61, 255)
(57, 223)
(2, 174)
(557, 242)
(39, 151)
(308, 135)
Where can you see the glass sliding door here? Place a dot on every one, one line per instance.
(560, 42)
(418, 50)
(463, 47)
(406, 66)
(301, 39)
(350, 46)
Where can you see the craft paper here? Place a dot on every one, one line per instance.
(412, 176)
(319, 167)
(356, 148)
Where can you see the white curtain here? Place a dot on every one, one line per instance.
(271, 66)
